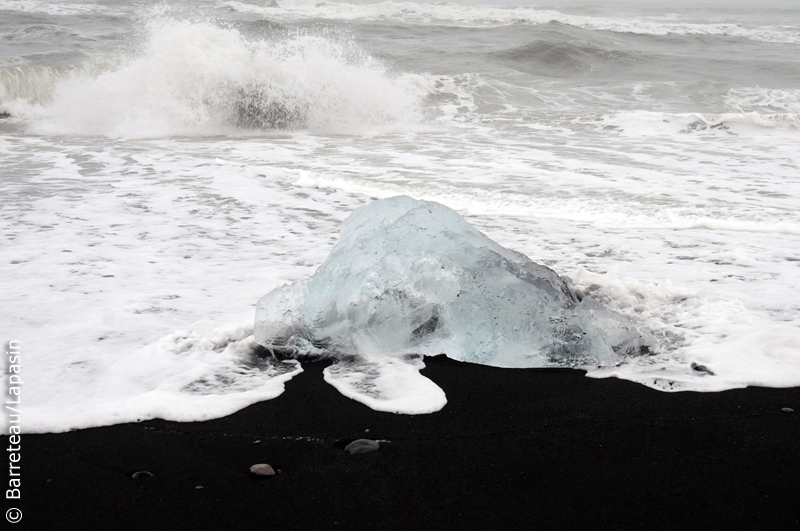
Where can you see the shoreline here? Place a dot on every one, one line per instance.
(513, 448)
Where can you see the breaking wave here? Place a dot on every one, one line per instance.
(201, 78)
(23, 86)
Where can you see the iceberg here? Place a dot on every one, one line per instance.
(413, 278)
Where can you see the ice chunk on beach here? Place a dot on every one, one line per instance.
(413, 278)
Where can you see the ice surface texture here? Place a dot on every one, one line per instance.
(411, 278)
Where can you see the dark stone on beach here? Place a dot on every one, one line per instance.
(696, 367)
(4, 115)
(787, 410)
(142, 474)
(362, 446)
(261, 470)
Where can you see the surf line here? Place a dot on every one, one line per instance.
(14, 412)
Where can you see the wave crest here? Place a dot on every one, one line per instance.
(200, 78)
(563, 59)
(23, 86)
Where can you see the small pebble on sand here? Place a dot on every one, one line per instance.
(262, 470)
(362, 446)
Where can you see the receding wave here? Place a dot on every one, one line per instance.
(472, 15)
(483, 202)
(200, 78)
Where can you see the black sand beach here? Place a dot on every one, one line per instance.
(513, 449)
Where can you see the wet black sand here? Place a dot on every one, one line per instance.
(513, 449)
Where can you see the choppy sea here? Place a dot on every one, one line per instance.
(164, 165)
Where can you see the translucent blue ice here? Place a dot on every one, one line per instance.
(413, 278)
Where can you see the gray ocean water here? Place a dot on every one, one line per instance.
(163, 165)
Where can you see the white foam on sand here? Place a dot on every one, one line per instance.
(186, 376)
(713, 342)
(143, 238)
(384, 383)
(126, 256)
